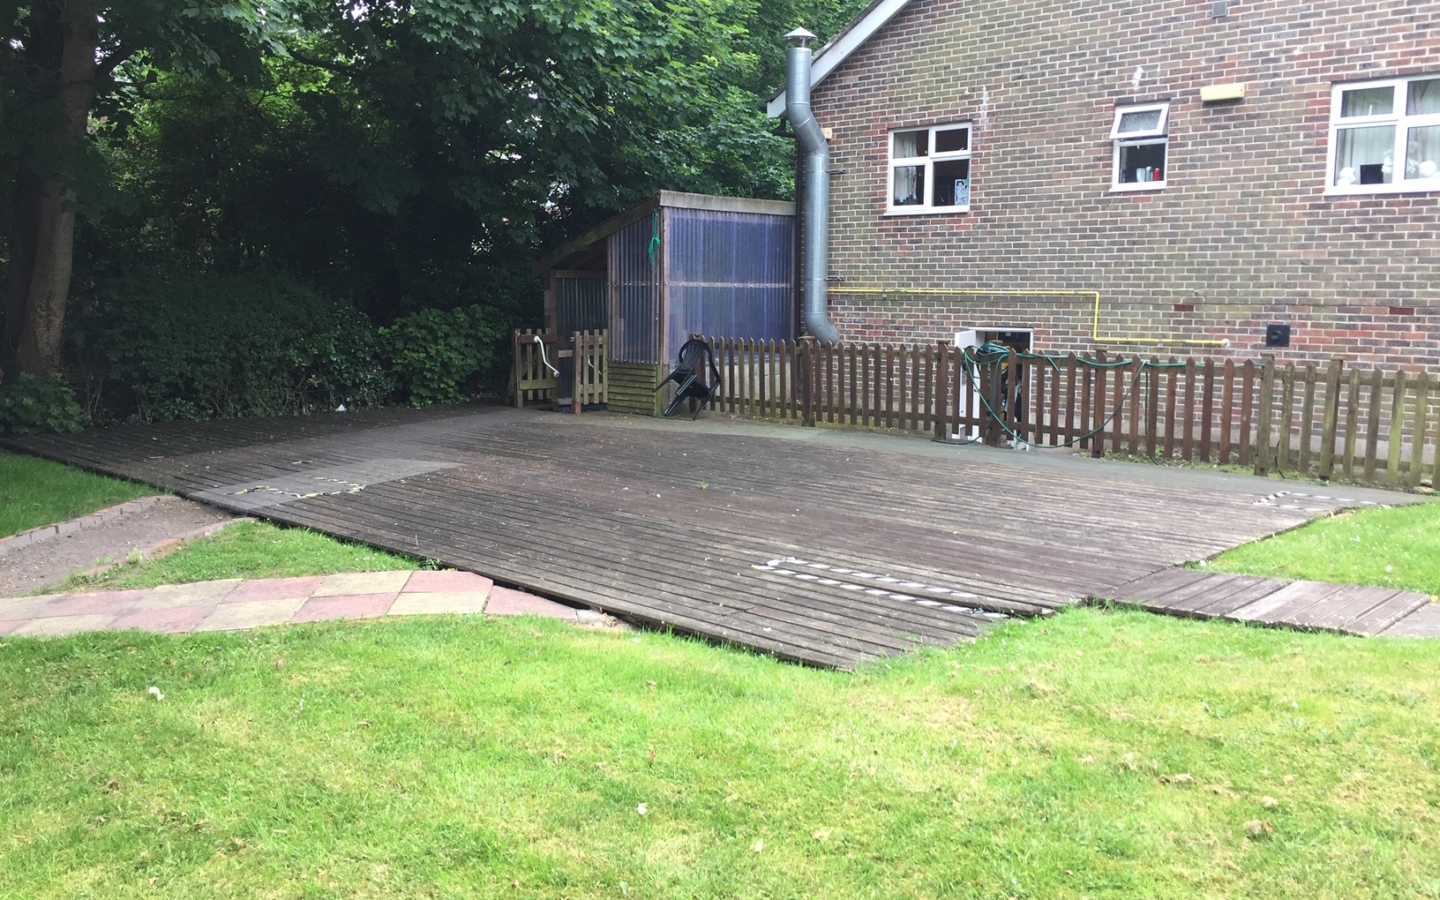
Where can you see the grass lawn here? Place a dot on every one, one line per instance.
(1098, 754)
(249, 550)
(1397, 547)
(35, 492)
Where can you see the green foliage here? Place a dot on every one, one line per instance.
(34, 403)
(440, 356)
(253, 344)
(403, 156)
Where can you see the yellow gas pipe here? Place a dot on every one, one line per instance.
(1095, 327)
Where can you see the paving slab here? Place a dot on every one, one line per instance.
(362, 583)
(25, 608)
(509, 602)
(97, 602)
(441, 582)
(56, 626)
(9, 625)
(197, 594)
(250, 614)
(346, 606)
(276, 588)
(173, 620)
(438, 603)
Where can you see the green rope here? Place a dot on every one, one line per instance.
(654, 238)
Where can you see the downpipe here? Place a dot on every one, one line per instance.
(815, 213)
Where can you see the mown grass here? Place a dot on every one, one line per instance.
(1395, 547)
(1098, 754)
(247, 550)
(35, 492)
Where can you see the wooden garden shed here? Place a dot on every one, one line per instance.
(676, 265)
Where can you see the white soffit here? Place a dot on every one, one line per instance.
(841, 46)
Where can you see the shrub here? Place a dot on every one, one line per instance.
(34, 403)
(442, 356)
(256, 343)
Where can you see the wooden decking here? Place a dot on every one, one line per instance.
(1309, 605)
(817, 546)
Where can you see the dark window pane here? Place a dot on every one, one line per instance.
(952, 140)
(1142, 162)
(952, 182)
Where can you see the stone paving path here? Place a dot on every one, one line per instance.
(235, 604)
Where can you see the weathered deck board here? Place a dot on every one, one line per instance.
(1309, 605)
(673, 524)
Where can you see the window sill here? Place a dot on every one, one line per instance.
(925, 210)
(1137, 187)
(1367, 190)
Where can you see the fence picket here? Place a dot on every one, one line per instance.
(1330, 419)
(1264, 415)
(1307, 420)
(1287, 406)
(1097, 443)
(1397, 430)
(1133, 447)
(1417, 441)
(1247, 396)
(1227, 408)
(1372, 433)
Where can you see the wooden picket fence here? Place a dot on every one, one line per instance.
(1371, 426)
(537, 367)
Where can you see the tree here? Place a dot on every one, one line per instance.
(56, 58)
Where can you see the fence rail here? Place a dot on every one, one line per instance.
(1333, 421)
(1372, 426)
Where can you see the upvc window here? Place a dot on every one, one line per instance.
(1385, 136)
(930, 170)
(1141, 138)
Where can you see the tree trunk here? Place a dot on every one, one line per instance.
(72, 88)
(21, 267)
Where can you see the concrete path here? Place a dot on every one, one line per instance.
(235, 604)
(42, 558)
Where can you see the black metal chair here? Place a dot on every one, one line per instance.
(689, 383)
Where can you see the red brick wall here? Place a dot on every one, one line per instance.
(1242, 235)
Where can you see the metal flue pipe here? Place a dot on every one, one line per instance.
(815, 209)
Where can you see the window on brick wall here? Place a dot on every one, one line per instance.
(930, 170)
(1141, 138)
(1385, 136)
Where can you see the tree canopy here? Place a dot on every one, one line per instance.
(402, 156)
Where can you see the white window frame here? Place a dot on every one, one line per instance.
(929, 160)
(1139, 137)
(1397, 117)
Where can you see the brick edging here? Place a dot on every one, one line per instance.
(100, 517)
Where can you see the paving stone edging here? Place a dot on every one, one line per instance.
(235, 604)
(101, 517)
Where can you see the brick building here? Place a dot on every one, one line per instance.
(1209, 168)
